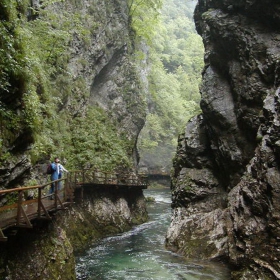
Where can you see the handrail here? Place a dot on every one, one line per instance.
(20, 213)
(23, 211)
(93, 176)
(29, 188)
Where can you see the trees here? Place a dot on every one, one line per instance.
(176, 61)
(144, 16)
(41, 98)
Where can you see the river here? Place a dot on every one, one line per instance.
(140, 253)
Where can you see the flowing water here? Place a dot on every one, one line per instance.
(140, 253)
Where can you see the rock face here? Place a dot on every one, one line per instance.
(226, 180)
(103, 213)
(99, 70)
(106, 63)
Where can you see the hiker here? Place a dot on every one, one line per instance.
(54, 173)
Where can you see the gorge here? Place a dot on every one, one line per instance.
(73, 81)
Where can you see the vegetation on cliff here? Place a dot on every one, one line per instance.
(176, 61)
(48, 103)
(45, 107)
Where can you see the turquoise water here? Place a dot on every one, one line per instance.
(140, 253)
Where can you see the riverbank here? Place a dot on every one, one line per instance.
(141, 254)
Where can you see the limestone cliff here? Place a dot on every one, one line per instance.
(226, 179)
(90, 64)
(82, 59)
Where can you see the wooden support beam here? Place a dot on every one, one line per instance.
(21, 212)
(59, 200)
(3, 238)
(27, 221)
(45, 211)
(42, 206)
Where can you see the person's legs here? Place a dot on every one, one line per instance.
(59, 187)
(51, 191)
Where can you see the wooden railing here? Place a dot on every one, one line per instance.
(21, 212)
(96, 177)
(25, 209)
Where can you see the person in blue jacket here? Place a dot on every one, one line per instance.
(54, 174)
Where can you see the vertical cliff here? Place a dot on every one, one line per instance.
(69, 84)
(226, 179)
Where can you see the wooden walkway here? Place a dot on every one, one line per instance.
(41, 204)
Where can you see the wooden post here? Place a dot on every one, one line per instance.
(20, 211)
(20, 194)
(66, 187)
(55, 194)
(2, 236)
(71, 186)
(39, 202)
(41, 205)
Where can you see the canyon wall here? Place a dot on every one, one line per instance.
(69, 58)
(226, 179)
(90, 63)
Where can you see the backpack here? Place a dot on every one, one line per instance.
(50, 169)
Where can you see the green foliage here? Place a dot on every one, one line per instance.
(11, 198)
(40, 98)
(32, 110)
(4, 154)
(85, 139)
(95, 143)
(176, 58)
(144, 16)
(17, 86)
(36, 85)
